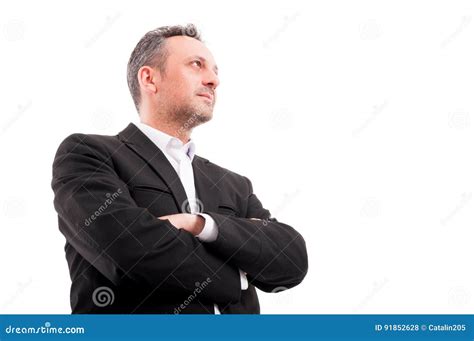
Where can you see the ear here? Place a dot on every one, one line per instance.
(149, 79)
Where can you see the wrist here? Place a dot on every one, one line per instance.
(199, 224)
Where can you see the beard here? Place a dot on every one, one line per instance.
(191, 114)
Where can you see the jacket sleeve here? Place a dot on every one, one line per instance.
(124, 242)
(272, 253)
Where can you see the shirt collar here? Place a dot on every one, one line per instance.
(165, 142)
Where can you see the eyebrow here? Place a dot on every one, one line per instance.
(202, 59)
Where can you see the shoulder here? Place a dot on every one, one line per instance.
(80, 142)
(78, 148)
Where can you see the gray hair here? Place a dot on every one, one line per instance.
(150, 51)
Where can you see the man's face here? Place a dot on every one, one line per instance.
(187, 89)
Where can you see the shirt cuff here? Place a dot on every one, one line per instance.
(244, 283)
(209, 232)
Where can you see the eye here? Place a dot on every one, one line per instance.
(197, 62)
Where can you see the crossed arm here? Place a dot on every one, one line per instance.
(128, 245)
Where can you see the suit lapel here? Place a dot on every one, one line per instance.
(206, 189)
(154, 157)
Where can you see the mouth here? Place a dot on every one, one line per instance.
(208, 96)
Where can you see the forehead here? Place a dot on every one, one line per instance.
(183, 47)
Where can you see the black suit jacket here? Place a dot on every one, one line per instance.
(109, 191)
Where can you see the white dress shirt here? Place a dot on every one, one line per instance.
(180, 157)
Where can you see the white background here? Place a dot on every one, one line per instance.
(351, 118)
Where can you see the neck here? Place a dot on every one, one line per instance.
(171, 128)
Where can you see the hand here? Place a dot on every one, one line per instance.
(192, 223)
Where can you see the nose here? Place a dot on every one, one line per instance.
(211, 80)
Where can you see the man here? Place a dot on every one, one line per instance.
(151, 227)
